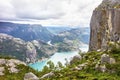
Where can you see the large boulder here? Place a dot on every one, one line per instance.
(112, 61)
(13, 70)
(48, 75)
(75, 58)
(30, 76)
(10, 65)
(2, 69)
(79, 67)
(2, 61)
(101, 68)
(14, 62)
(107, 59)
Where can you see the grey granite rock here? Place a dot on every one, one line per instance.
(2, 69)
(101, 68)
(30, 76)
(75, 58)
(2, 61)
(13, 70)
(107, 59)
(48, 75)
(105, 25)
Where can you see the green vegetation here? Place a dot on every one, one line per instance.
(68, 73)
(17, 76)
(6, 57)
(89, 72)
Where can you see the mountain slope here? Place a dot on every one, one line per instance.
(57, 29)
(82, 34)
(25, 51)
(26, 32)
(71, 40)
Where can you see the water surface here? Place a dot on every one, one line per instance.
(58, 56)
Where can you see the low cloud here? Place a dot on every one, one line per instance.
(49, 12)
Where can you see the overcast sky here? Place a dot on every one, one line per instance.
(48, 12)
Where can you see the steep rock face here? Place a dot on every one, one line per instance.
(43, 49)
(15, 47)
(105, 25)
(25, 51)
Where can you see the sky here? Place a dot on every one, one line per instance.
(48, 12)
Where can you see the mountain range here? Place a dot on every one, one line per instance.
(102, 62)
(30, 43)
(27, 32)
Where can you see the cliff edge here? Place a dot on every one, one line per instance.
(105, 25)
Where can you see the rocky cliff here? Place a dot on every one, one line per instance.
(105, 25)
(22, 50)
(16, 47)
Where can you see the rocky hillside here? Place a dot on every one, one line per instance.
(105, 25)
(26, 32)
(25, 51)
(81, 34)
(13, 69)
(71, 40)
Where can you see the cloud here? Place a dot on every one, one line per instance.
(48, 12)
(6, 10)
(38, 9)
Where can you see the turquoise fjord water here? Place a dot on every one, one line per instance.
(58, 56)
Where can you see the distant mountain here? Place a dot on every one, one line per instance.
(31, 42)
(57, 29)
(81, 34)
(26, 32)
(71, 40)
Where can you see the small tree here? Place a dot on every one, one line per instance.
(51, 65)
(60, 64)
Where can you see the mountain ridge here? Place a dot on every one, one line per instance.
(27, 32)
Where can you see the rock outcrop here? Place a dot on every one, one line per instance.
(2, 69)
(107, 59)
(101, 68)
(30, 76)
(16, 47)
(75, 58)
(80, 67)
(10, 65)
(101, 65)
(105, 25)
(24, 51)
(48, 75)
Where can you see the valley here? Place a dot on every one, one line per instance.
(60, 40)
(31, 43)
